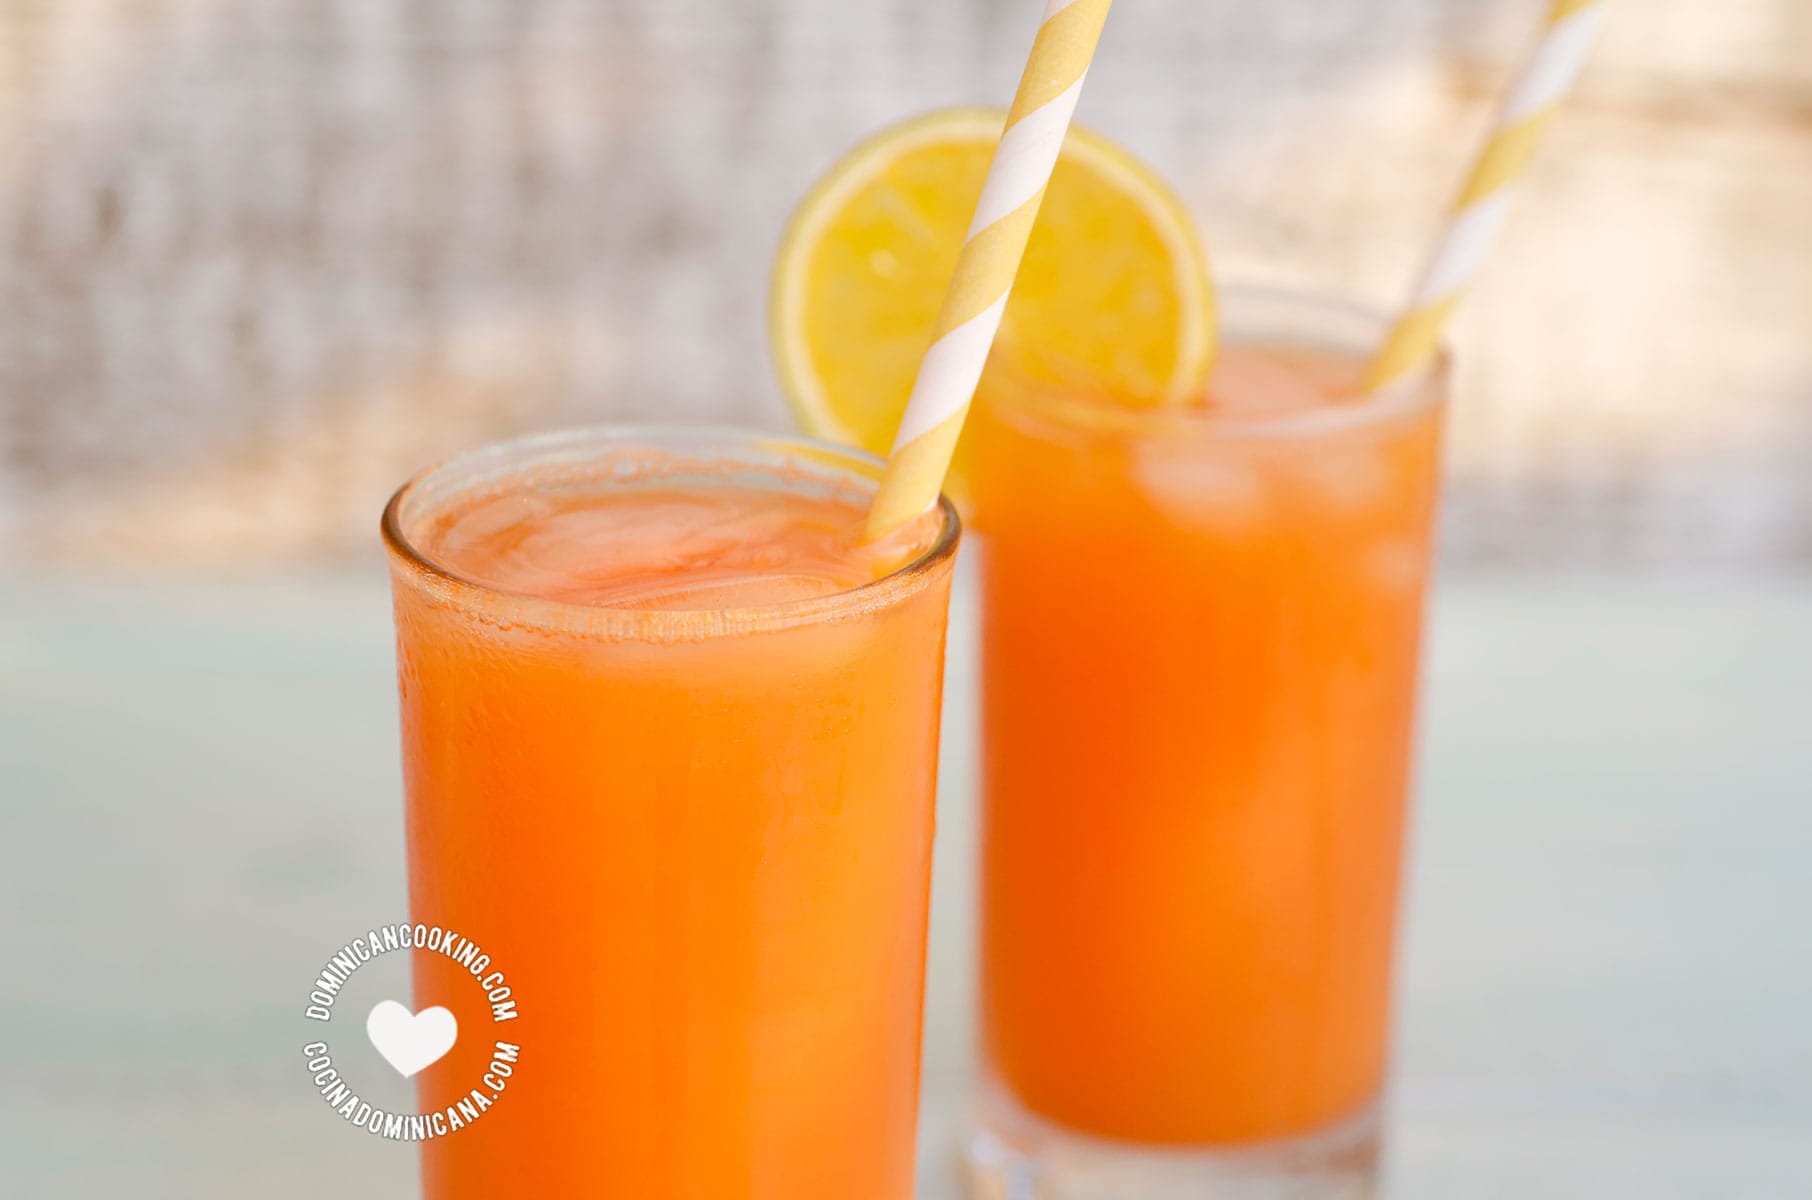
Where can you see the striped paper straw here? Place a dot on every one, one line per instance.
(1483, 203)
(996, 241)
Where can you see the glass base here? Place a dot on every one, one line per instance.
(1010, 1154)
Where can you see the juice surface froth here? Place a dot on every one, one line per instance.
(662, 546)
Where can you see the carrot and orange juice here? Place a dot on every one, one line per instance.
(670, 743)
(1200, 636)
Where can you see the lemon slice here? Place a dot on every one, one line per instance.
(1113, 292)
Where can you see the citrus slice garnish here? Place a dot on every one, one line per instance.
(1113, 293)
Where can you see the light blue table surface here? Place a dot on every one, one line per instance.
(1607, 989)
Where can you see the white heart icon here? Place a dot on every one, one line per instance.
(411, 1042)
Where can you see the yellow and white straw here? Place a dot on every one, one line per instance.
(996, 241)
(1479, 211)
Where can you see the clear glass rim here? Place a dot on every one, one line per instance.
(518, 454)
(1408, 397)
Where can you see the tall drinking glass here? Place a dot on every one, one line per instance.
(670, 747)
(1200, 638)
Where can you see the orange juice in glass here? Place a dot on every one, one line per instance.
(1199, 638)
(669, 747)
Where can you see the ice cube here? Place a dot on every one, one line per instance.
(1395, 564)
(1345, 475)
(1219, 491)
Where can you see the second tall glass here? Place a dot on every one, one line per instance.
(1200, 641)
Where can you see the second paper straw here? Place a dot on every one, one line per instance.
(996, 241)
(1483, 203)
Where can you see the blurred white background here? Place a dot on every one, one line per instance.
(262, 258)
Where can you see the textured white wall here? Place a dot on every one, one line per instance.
(261, 258)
